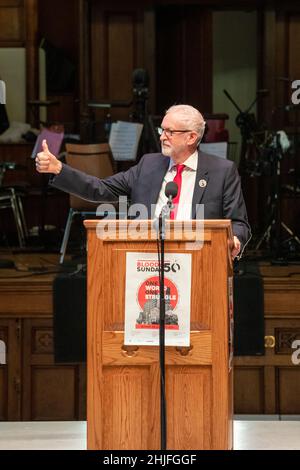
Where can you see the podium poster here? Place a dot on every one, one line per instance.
(142, 299)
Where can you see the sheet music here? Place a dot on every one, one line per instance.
(124, 140)
(54, 141)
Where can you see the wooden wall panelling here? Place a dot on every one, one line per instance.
(282, 297)
(120, 30)
(281, 70)
(288, 380)
(32, 60)
(286, 374)
(184, 56)
(50, 391)
(270, 384)
(270, 390)
(249, 390)
(26, 297)
(280, 43)
(4, 333)
(198, 63)
(150, 55)
(32, 385)
(66, 113)
(12, 27)
(117, 48)
(82, 392)
(124, 38)
(58, 23)
(169, 56)
(268, 65)
(294, 45)
(61, 31)
(10, 374)
(279, 381)
(288, 37)
(285, 334)
(84, 67)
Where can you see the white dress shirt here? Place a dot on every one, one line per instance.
(187, 187)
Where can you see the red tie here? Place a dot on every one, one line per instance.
(178, 180)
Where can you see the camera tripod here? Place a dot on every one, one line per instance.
(149, 139)
(247, 124)
(272, 234)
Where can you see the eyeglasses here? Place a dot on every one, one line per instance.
(170, 132)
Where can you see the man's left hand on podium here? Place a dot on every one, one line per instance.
(236, 247)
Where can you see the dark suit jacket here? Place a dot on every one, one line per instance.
(222, 197)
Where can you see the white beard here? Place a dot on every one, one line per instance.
(166, 151)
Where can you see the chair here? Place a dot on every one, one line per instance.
(215, 128)
(11, 198)
(95, 160)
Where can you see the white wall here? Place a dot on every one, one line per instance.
(13, 72)
(234, 64)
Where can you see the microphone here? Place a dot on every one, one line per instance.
(171, 190)
(140, 78)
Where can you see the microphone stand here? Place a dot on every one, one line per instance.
(165, 213)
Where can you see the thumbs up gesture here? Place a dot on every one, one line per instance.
(46, 162)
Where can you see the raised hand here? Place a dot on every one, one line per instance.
(46, 162)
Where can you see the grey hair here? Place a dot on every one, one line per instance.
(191, 116)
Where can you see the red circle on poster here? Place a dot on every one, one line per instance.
(149, 290)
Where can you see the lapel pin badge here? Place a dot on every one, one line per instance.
(202, 183)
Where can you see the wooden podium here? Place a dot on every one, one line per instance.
(123, 398)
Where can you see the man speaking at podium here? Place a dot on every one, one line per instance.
(201, 178)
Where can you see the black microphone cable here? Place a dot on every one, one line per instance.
(171, 192)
